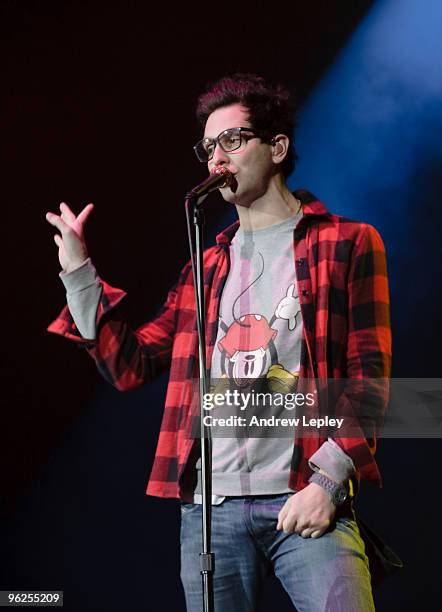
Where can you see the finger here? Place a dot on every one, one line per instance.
(291, 291)
(82, 217)
(281, 517)
(57, 222)
(58, 240)
(317, 533)
(66, 213)
(290, 525)
(300, 526)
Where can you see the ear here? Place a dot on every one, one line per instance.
(280, 146)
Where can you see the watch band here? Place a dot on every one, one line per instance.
(338, 492)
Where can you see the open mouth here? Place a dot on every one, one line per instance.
(233, 186)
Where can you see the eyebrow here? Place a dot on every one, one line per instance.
(244, 127)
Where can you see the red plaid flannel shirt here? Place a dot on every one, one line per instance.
(343, 290)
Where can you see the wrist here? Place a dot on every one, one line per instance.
(338, 492)
(75, 265)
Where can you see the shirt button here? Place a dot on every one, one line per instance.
(300, 261)
(305, 292)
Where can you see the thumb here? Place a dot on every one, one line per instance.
(290, 291)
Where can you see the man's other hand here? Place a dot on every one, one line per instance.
(307, 513)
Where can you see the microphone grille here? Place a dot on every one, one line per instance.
(223, 171)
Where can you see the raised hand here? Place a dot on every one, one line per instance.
(72, 251)
(289, 307)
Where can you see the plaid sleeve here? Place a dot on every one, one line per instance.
(366, 392)
(126, 358)
(64, 325)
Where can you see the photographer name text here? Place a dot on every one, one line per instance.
(272, 421)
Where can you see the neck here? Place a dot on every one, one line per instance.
(274, 206)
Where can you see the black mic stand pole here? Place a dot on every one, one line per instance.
(207, 558)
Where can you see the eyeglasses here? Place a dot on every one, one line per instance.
(229, 140)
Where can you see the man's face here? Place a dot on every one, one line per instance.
(251, 164)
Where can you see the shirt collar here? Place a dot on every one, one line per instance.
(311, 206)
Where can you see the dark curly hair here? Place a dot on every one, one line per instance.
(271, 110)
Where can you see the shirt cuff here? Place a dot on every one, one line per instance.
(81, 278)
(332, 459)
(83, 292)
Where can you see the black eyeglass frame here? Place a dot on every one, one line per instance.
(255, 134)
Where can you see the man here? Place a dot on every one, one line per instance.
(292, 293)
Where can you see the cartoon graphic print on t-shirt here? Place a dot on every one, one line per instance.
(248, 349)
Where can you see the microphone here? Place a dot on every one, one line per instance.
(219, 177)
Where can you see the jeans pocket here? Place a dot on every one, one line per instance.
(188, 508)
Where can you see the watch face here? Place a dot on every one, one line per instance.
(340, 496)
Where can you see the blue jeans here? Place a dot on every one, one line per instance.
(326, 574)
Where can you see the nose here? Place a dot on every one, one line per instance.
(220, 157)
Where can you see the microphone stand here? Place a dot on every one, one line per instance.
(207, 558)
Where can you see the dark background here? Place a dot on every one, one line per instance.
(98, 105)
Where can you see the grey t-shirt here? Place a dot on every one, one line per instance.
(259, 337)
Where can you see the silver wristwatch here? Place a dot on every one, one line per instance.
(338, 492)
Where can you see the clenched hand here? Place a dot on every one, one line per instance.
(307, 513)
